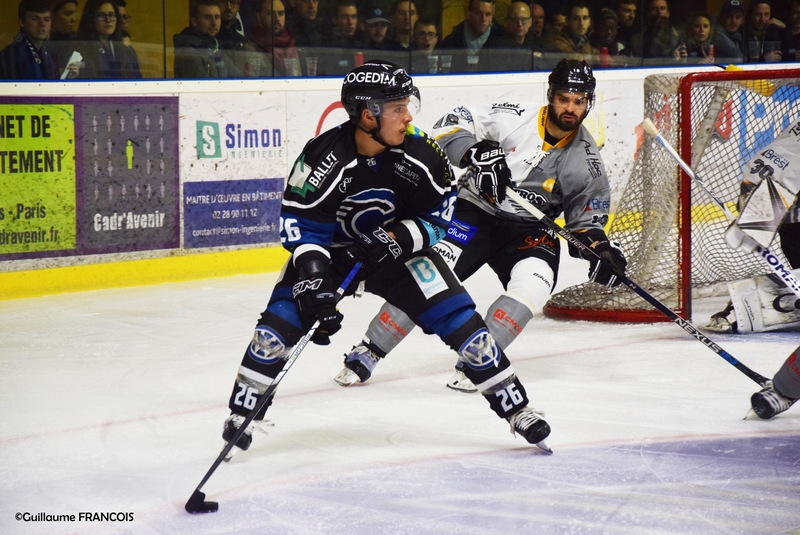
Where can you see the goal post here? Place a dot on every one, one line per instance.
(672, 234)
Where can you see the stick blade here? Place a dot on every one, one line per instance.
(197, 504)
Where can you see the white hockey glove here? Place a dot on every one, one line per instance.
(492, 174)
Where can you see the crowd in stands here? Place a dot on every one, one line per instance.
(90, 39)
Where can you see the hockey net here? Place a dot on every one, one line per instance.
(672, 234)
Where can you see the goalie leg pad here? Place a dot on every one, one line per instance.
(763, 304)
(787, 380)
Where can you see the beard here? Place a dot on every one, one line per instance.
(557, 120)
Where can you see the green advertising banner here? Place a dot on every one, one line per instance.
(37, 178)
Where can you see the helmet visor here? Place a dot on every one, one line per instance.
(412, 103)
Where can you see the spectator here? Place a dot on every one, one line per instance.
(557, 22)
(26, 58)
(105, 56)
(764, 41)
(424, 39)
(512, 51)
(122, 7)
(573, 40)
(659, 39)
(231, 31)
(375, 28)
(626, 23)
(404, 16)
(700, 46)
(537, 28)
(344, 32)
(63, 38)
(604, 38)
(197, 51)
(271, 36)
(470, 36)
(793, 24)
(304, 23)
(729, 32)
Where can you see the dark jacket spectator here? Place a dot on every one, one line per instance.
(105, 56)
(468, 37)
(197, 51)
(26, 58)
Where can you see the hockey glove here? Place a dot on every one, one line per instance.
(492, 174)
(316, 300)
(373, 250)
(611, 264)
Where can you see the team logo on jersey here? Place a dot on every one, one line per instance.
(460, 232)
(507, 107)
(536, 159)
(449, 252)
(404, 170)
(362, 212)
(305, 178)
(532, 197)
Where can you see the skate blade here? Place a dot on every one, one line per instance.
(347, 377)
(751, 415)
(461, 386)
(544, 446)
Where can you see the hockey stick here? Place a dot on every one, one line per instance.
(197, 501)
(661, 307)
(782, 271)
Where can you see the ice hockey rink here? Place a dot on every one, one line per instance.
(113, 402)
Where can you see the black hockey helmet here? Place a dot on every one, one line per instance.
(373, 84)
(572, 75)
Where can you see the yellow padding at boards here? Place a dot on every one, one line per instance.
(34, 283)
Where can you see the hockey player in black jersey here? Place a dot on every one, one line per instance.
(546, 155)
(378, 191)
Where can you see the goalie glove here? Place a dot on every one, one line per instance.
(372, 250)
(492, 174)
(611, 264)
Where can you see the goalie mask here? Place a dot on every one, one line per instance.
(573, 76)
(372, 85)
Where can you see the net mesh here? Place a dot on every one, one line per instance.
(730, 121)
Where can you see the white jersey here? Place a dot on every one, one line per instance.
(569, 177)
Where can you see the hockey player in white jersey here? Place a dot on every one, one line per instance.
(768, 206)
(547, 156)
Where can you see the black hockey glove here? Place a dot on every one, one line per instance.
(372, 250)
(492, 174)
(316, 300)
(611, 264)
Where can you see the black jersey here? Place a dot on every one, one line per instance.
(333, 193)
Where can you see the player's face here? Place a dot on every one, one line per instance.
(36, 25)
(568, 110)
(395, 118)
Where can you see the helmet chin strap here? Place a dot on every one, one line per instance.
(374, 132)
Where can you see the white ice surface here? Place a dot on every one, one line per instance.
(113, 401)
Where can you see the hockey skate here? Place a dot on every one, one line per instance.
(358, 366)
(460, 382)
(723, 322)
(530, 424)
(233, 423)
(769, 402)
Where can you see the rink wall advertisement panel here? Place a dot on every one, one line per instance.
(169, 180)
